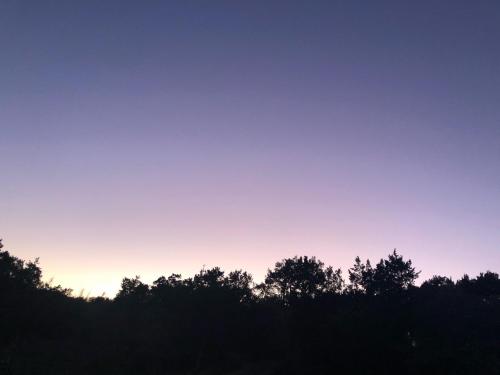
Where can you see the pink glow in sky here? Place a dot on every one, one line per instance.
(146, 140)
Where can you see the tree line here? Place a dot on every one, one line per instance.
(305, 317)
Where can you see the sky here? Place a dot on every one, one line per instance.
(151, 137)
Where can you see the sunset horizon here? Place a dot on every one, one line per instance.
(240, 134)
(234, 155)
(100, 281)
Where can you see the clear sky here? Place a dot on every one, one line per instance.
(151, 137)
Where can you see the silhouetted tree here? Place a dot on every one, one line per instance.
(486, 284)
(18, 273)
(392, 275)
(465, 283)
(133, 290)
(211, 278)
(438, 282)
(360, 276)
(302, 277)
(334, 282)
(241, 283)
(174, 280)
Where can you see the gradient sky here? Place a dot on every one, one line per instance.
(151, 137)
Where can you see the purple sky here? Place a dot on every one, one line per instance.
(150, 137)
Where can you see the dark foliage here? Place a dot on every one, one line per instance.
(301, 320)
